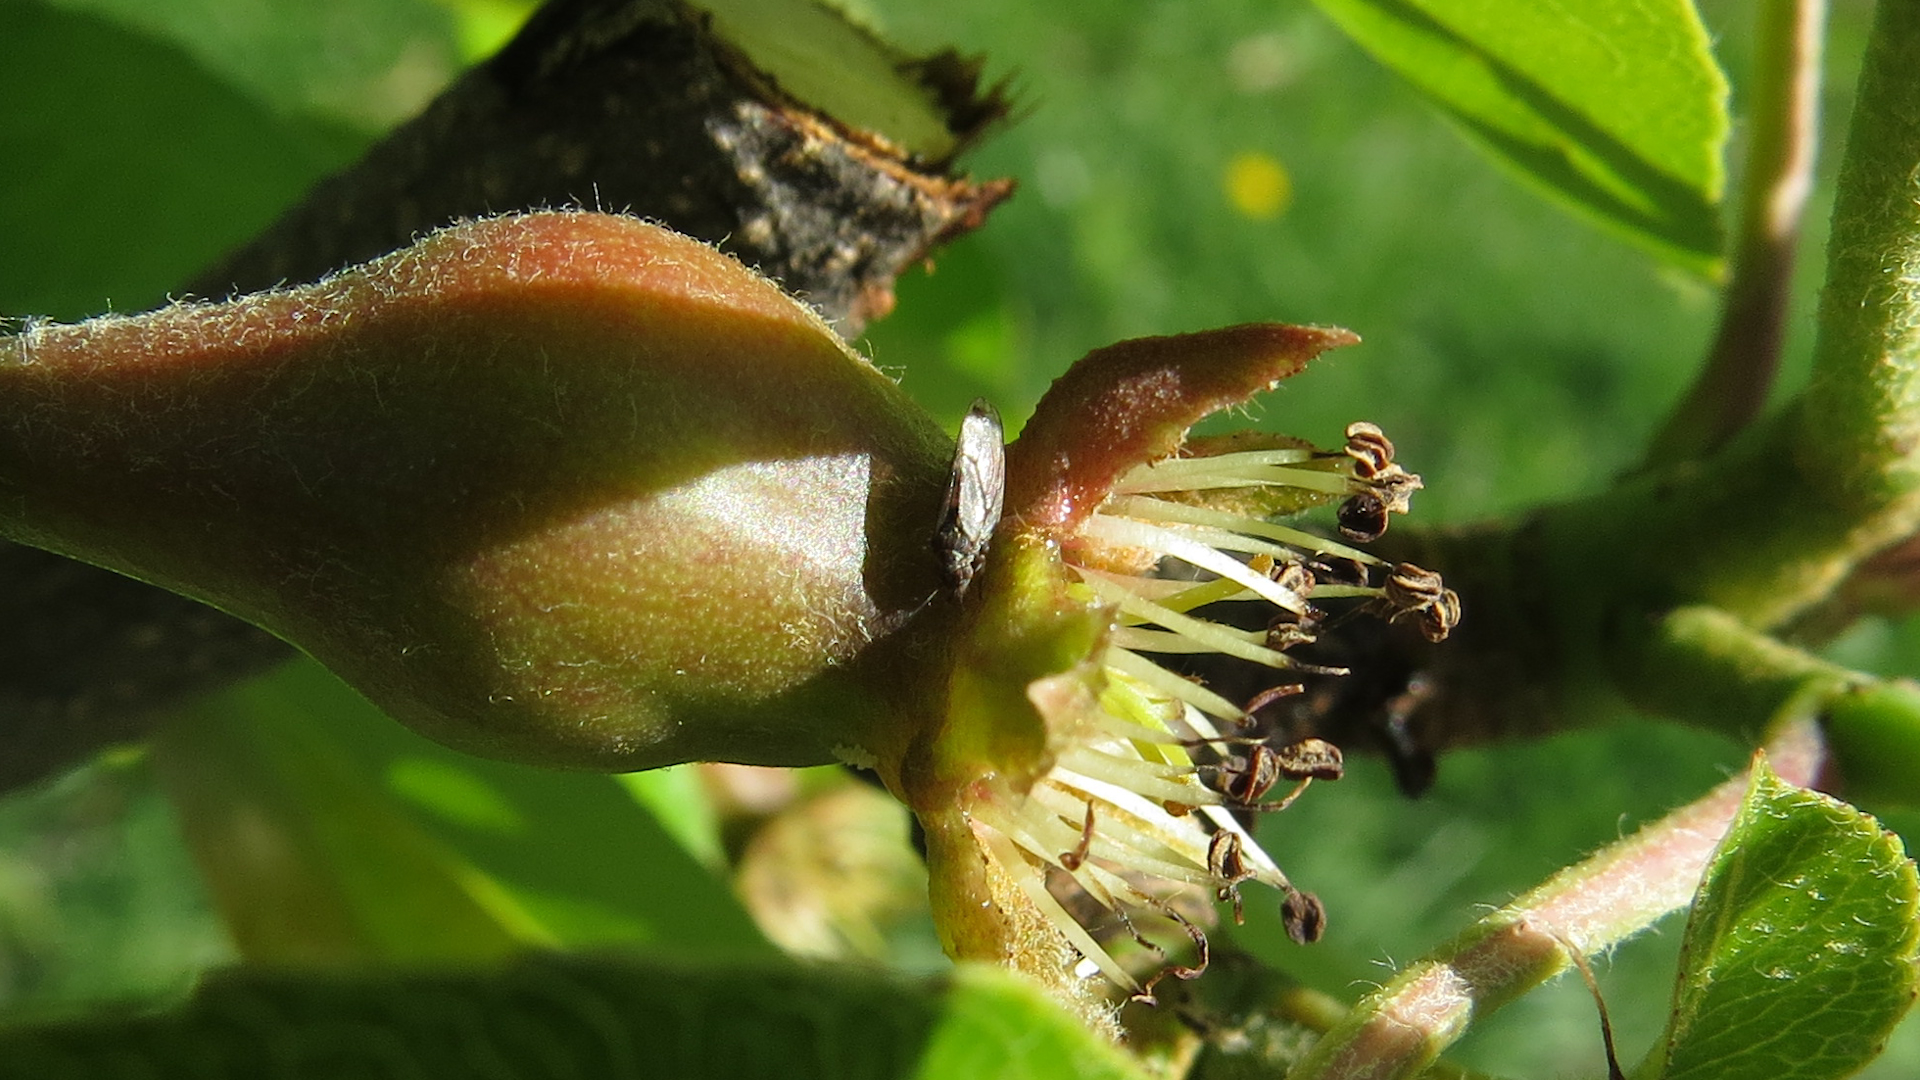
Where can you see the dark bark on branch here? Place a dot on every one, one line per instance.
(633, 106)
(622, 105)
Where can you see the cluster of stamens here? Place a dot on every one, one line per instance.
(1152, 785)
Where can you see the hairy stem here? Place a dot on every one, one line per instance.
(1783, 128)
(1559, 606)
(1707, 667)
(1772, 524)
(1624, 888)
(1860, 421)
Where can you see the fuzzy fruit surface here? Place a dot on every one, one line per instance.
(562, 488)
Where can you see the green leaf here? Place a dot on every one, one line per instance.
(997, 1024)
(1875, 731)
(329, 832)
(820, 55)
(381, 61)
(1615, 107)
(127, 168)
(1798, 957)
(559, 1016)
(306, 860)
(678, 801)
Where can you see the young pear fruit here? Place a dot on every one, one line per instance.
(562, 488)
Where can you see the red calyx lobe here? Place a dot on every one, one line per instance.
(1132, 402)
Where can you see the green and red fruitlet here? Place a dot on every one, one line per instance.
(564, 488)
(571, 489)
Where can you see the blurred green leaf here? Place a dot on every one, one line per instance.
(552, 1016)
(328, 832)
(307, 859)
(482, 26)
(105, 903)
(834, 63)
(1618, 108)
(676, 799)
(127, 168)
(1799, 954)
(364, 64)
(995, 1024)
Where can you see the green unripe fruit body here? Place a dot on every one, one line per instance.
(562, 488)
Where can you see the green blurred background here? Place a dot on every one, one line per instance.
(1181, 165)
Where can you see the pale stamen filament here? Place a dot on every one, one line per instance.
(1157, 641)
(1031, 882)
(1127, 755)
(1114, 771)
(1177, 838)
(1223, 539)
(1044, 838)
(1177, 595)
(1341, 592)
(1219, 638)
(1126, 532)
(1304, 479)
(1175, 466)
(1183, 514)
(1136, 733)
(1155, 677)
(1113, 842)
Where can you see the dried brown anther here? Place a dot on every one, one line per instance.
(1310, 759)
(1362, 518)
(1227, 862)
(1412, 591)
(1284, 634)
(1410, 588)
(1246, 778)
(1338, 570)
(1288, 629)
(1294, 576)
(1304, 916)
(1437, 620)
(1370, 449)
(1395, 487)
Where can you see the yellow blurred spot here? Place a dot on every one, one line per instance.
(1258, 185)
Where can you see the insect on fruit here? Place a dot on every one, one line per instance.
(976, 490)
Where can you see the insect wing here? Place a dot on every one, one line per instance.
(976, 493)
(979, 475)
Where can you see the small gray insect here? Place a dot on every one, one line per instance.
(976, 491)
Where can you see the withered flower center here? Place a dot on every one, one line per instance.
(1153, 779)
